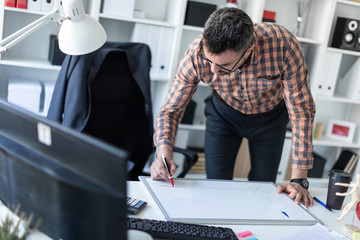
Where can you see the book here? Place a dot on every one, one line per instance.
(346, 161)
(351, 164)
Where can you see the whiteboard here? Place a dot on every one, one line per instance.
(225, 202)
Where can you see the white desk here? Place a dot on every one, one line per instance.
(262, 232)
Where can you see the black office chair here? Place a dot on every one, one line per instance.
(106, 94)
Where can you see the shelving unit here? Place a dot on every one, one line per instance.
(29, 58)
(336, 106)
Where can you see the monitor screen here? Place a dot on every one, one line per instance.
(74, 183)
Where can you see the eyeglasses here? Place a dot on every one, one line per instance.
(219, 66)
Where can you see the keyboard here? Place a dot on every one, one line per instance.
(175, 230)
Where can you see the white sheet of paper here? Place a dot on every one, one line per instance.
(315, 232)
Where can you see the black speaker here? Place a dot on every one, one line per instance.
(346, 34)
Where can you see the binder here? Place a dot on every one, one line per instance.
(328, 81)
(10, 3)
(349, 84)
(153, 42)
(162, 56)
(47, 5)
(21, 4)
(60, 7)
(326, 84)
(160, 41)
(149, 35)
(34, 5)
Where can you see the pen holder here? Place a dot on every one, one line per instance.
(333, 201)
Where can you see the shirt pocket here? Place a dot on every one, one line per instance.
(267, 82)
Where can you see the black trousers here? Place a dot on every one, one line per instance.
(225, 129)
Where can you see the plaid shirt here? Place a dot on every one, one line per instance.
(275, 70)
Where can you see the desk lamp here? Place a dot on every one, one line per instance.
(79, 33)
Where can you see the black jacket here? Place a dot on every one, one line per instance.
(72, 89)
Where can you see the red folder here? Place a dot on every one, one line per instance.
(10, 3)
(21, 4)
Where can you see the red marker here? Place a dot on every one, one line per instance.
(167, 169)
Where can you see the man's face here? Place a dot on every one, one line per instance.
(227, 61)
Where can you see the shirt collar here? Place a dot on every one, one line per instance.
(255, 52)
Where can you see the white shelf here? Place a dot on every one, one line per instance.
(343, 51)
(197, 127)
(337, 99)
(348, 2)
(324, 141)
(159, 79)
(308, 40)
(31, 63)
(20, 10)
(288, 134)
(193, 28)
(137, 20)
(319, 182)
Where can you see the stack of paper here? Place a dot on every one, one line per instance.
(315, 232)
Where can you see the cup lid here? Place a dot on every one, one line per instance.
(340, 175)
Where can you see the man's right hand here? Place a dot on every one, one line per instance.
(158, 170)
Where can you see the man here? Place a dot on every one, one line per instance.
(259, 78)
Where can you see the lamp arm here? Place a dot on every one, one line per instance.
(21, 34)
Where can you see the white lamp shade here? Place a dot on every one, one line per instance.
(81, 37)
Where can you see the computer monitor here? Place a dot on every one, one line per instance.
(74, 183)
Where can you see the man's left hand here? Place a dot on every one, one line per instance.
(296, 192)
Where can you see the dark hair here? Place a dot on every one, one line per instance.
(228, 28)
